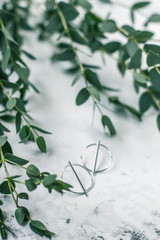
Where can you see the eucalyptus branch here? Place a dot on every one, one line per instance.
(8, 176)
(11, 62)
(66, 28)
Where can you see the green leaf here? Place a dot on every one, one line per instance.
(23, 195)
(38, 225)
(132, 110)
(49, 180)
(155, 79)
(30, 185)
(49, 4)
(109, 26)
(107, 123)
(85, 4)
(158, 121)
(23, 73)
(135, 60)
(139, 77)
(90, 66)
(11, 103)
(129, 29)
(29, 55)
(18, 122)
(4, 188)
(26, 134)
(5, 59)
(141, 36)
(93, 91)
(15, 159)
(112, 47)
(15, 176)
(7, 118)
(8, 84)
(36, 230)
(27, 115)
(1, 215)
(137, 6)
(60, 185)
(48, 234)
(67, 55)
(131, 48)
(77, 77)
(3, 128)
(153, 59)
(82, 96)
(7, 148)
(145, 102)
(20, 215)
(54, 24)
(110, 89)
(32, 171)
(154, 48)
(41, 144)
(92, 78)
(3, 140)
(70, 13)
(40, 129)
(154, 18)
(8, 35)
(76, 37)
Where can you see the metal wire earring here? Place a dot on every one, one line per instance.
(102, 161)
(96, 158)
(76, 175)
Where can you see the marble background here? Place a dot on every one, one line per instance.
(125, 202)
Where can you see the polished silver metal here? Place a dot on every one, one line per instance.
(99, 146)
(85, 191)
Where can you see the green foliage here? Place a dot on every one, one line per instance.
(93, 92)
(5, 59)
(3, 140)
(107, 123)
(14, 159)
(155, 79)
(41, 144)
(11, 103)
(137, 6)
(154, 18)
(153, 59)
(135, 61)
(112, 47)
(82, 96)
(92, 78)
(124, 106)
(145, 102)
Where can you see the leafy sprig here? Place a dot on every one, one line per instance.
(35, 178)
(92, 32)
(14, 18)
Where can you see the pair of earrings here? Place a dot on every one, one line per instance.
(102, 161)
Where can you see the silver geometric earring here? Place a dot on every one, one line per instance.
(96, 158)
(76, 177)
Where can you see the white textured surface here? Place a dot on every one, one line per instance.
(124, 204)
